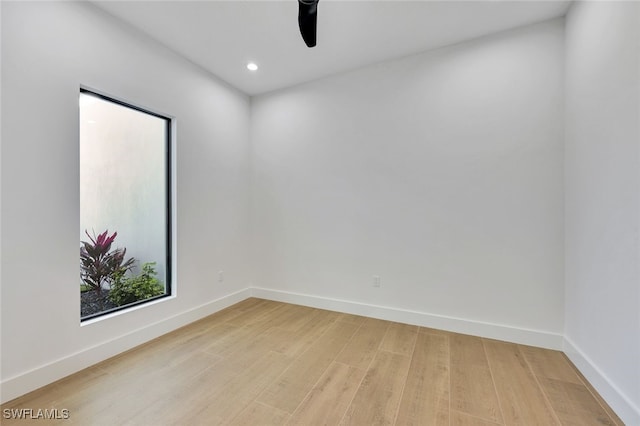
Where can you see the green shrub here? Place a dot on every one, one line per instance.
(125, 290)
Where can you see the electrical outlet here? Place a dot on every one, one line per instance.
(220, 276)
(376, 280)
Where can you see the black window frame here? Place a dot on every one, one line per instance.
(168, 206)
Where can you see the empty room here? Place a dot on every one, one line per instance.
(320, 213)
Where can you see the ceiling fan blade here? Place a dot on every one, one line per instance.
(307, 20)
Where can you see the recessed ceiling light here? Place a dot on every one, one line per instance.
(251, 66)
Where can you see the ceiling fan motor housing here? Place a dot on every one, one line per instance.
(307, 20)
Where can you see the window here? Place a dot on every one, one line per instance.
(125, 205)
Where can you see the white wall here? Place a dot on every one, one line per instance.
(441, 173)
(48, 51)
(602, 309)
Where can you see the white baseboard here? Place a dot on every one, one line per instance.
(623, 406)
(507, 333)
(31, 380)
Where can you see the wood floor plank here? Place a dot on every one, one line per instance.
(459, 418)
(253, 335)
(108, 396)
(329, 399)
(361, 350)
(238, 393)
(288, 316)
(243, 354)
(521, 399)
(258, 311)
(295, 342)
(57, 396)
(549, 364)
(288, 390)
(228, 343)
(29, 417)
(300, 316)
(472, 388)
(399, 338)
(574, 404)
(259, 414)
(425, 400)
(97, 398)
(378, 397)
(212, 381)
(181, 399)
(214, 399)
(165, 352)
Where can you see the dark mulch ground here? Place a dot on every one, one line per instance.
(91, 303)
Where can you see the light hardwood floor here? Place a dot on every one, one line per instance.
(261, 362)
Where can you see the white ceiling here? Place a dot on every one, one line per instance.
(222, 36)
